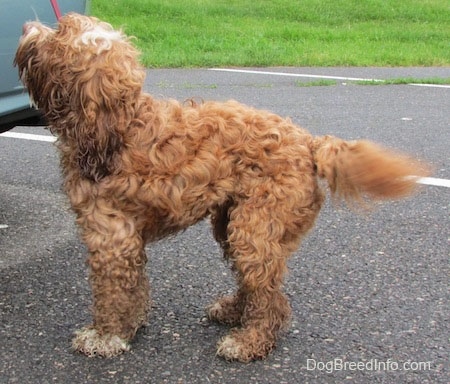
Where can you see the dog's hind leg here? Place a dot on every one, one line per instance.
(227, 309)
(262, 233)
(119, 284)
(259, 260)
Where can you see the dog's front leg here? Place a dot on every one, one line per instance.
(119, 284)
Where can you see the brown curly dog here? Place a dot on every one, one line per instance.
(137, 169)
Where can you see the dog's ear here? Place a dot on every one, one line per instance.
(107, 98)
(97, 132)
(99, 144)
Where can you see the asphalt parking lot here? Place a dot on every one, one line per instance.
(369, 292)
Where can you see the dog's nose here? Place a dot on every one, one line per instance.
(34, 27)
(27, 27)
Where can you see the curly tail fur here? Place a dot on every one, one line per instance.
(354, 169)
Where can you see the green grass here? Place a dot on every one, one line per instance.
(396, 81)
(202, 33)
(406, 80)
(316, 83)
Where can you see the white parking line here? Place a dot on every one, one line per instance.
(28, 136)
(291, 74)
(306, 75)
(431, 85)
(434, 181)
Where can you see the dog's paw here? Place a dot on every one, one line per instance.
(230, 349)
(225, 311)
(245, 345)
(89, 342)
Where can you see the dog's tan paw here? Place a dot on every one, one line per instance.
(216, 312)
(230, 349)
(245, 345)
(88, 341)
(224, 311)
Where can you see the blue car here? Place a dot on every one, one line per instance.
(15, 106)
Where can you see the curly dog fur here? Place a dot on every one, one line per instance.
(137, 169)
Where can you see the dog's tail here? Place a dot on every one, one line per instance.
(354, 169)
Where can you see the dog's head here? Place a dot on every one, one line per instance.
(85, 77)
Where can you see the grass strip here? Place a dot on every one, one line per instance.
(208, 33)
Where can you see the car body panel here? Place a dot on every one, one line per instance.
(14, 101)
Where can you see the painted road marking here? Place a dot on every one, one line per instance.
(434, 181)
(291, 74)
(431, 85)
(29, 136)
(317, 76)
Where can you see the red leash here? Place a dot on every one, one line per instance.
(56, 9)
